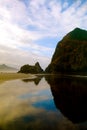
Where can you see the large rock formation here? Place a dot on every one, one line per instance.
(71, 54)
(31, 69)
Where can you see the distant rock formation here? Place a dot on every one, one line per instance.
(31, 69)
(5, 68)
(70, 54)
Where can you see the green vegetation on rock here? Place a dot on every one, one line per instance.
(70, 54)
(78, 34)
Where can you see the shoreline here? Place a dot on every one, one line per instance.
(67, 75)
(4, 76)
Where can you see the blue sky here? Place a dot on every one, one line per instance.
(31, 29)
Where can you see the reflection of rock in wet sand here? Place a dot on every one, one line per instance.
(36, 80)
(70, 96)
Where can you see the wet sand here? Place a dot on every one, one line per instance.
(12, 76)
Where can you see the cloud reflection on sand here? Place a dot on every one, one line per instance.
(13, 106)
(28, 106)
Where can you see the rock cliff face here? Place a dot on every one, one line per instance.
(70, 55)
(31, 69)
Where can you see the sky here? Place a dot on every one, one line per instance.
(31, 29)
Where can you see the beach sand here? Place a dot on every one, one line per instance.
(12, 76)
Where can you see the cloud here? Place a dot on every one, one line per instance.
(51, 17)
(24, 22)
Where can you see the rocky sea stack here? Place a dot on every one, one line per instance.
(31, 69)
(70, 55)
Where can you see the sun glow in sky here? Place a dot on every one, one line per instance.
(31, 29)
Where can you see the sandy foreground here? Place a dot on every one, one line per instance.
(12, 76)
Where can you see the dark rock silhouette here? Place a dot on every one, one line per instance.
(70, 55)
(31, 69)
(35, 80)
(70, 97)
